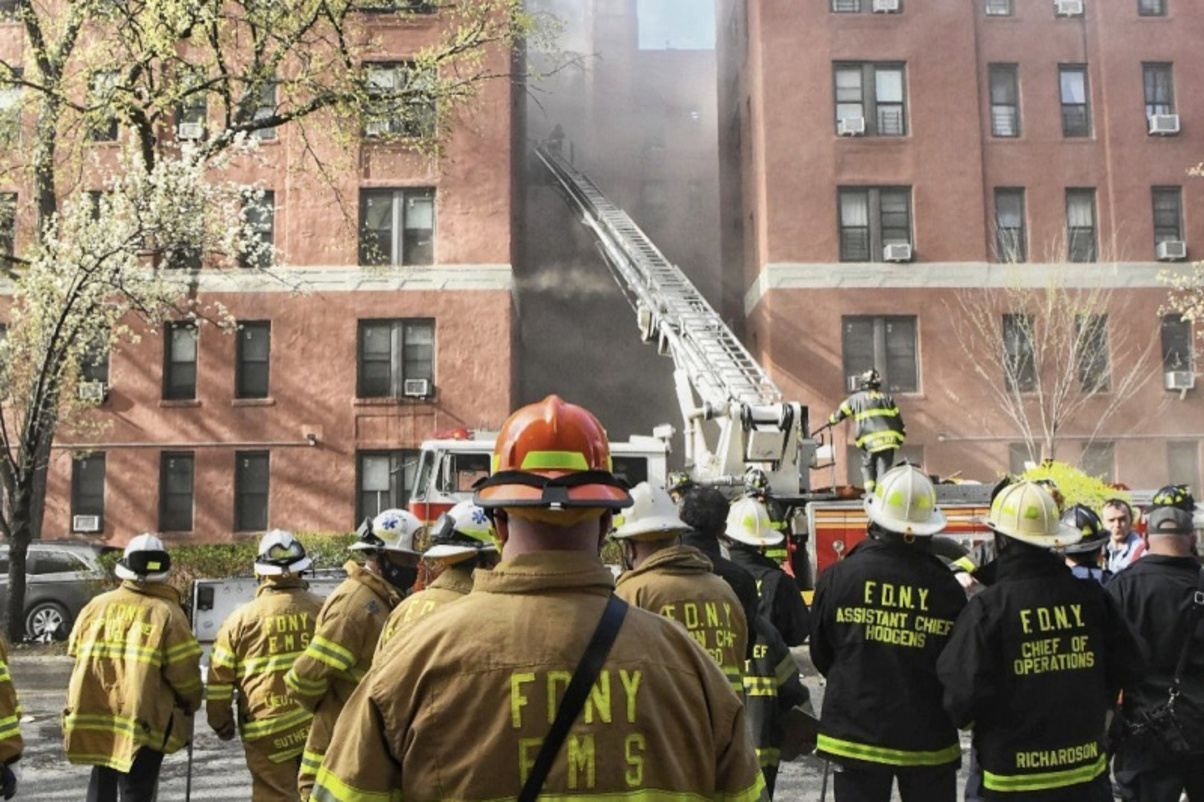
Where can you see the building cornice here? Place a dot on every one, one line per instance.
(344, 278)
(955, 275)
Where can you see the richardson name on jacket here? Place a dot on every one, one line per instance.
(1051, 758)
(891, 615)
(612, 701)
(1057, 653)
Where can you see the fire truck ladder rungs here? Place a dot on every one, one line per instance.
(719, 366)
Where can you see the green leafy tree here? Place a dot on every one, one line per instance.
(187, 89)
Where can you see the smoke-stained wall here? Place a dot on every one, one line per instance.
(641, 124)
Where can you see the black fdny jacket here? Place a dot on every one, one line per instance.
(877, 423)
(1153, 594)
(1035, 663)
(771, 688)
(781, 601)
(881, 618)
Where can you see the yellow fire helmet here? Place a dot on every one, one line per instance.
(748, 522)
(652, 516)
(904, 501)
(1027, 512)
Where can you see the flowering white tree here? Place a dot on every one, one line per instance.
(186, 88)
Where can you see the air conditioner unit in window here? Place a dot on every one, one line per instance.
(886, 6)
(190, 130)
(897, 252)
(1164, 124)
(1068, 8)
(85, 523)
(851, 126)
(853, 383)
(376, 127)
(416, 388)
(92, 392)
(1172, 250)
(1179, 380)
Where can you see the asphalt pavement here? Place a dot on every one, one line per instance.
(218, 770)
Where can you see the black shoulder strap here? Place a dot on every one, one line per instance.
(575, 696)
(1192, 616)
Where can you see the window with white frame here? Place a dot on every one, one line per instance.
(1081, 241)
(1076, 105)
(401, 100)
(1168, 214)
(884, 343)
(392, 352)
(872, 218)
(1158, 81)
(875, 92)
(998, 8)
(397, 226)
(384, 480)
(1011, 242)
(1005, 100)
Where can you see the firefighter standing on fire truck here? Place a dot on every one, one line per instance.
(349, 625)
(878, 428)
(462, 541)
(882, 616)
(255, 646)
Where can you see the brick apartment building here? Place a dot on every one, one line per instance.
(308, 416)
(961, 137)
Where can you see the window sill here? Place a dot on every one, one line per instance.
(178, 403)
(873, 138)
(390, 401)
(253, 402)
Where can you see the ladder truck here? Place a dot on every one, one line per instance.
(733, 414)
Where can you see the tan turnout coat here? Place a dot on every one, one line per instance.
(452, 585)
(10, 714)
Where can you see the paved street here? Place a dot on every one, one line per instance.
(218, 769)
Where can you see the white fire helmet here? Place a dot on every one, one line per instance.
(652, 516)
(392, 530)
(462, 532)
(145, 560)
(904, 502)
(748, 522)
(281, 553)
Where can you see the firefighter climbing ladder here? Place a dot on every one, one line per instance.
(716, 379)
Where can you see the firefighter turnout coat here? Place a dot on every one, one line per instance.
(10, 714)
(488, 672)
(253, 650)
(781, 601)
(1035, 663)
(325, 674)
(771, 688)
(137, 676)
(677, 583)
(877, 423)
(882, 616)
(452, 585)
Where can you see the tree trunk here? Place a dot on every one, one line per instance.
(18, 550)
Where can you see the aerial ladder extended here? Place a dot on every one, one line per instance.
(733, 413)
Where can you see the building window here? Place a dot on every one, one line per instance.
(846, 6)
(254, 355)
(259, 220)
(10, 104)
(175, 491)
(392, 351)
(872, 218)
(887, 344)
(1076, 109)
(1099, 460)
(179, 362)
(1176, 344)
(1019, 366)
(251, 491)
(95, 363)
(1019, 458)
(102, 123)
(1168, 215)
(8, 224)
(1080, 225)
(1151, 8)
(1011, 243)
(875, 93)
(397, 226)
(1091, 352)
(1159, 89)
(192, 111)
(1005, 100)
(999, 8)
(265, 109)
(401, 100)
(1183, 464)
(88, 488)
(384, 480)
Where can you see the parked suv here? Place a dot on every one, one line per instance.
(61, 576)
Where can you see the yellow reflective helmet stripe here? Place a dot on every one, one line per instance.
(1045, 780)
(887, 756)
(555, 461)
